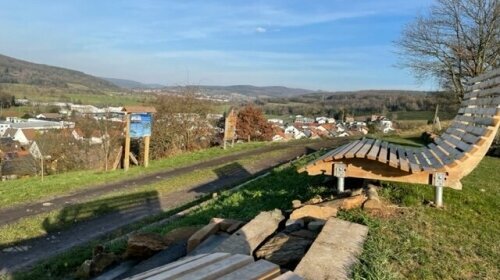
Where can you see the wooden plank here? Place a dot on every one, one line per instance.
(372, 154)
(469, 138)
(456, 132)
(382, 156)
(476, 130)
(476, 120)
(355, 149)
(433, 160)
(484, 84)
(118, 158)
(179, 271)
(440, 154)
(346, 148)
(484, 101)
(134, 159)
(330, 153)
(456, 142)
(487, 75)
(482, 111)
(422, 160)
(154, 271)
(364, 150)
(414, 166)
(403, 161)
(450, 150)
(491, 92)
(218, 269)
(259, 270)
(393, 156)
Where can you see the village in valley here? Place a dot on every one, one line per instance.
(234, 140)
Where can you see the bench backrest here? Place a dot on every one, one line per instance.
(478, 118)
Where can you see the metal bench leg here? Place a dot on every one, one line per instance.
(438, 180)
(339, 172)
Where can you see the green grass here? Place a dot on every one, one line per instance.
(74, 94)
(420, 115)
(33, 189)
(412, 241)
(45, 223)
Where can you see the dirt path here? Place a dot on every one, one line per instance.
(29, 252)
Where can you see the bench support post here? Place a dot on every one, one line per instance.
(339, 170)
(438, 180)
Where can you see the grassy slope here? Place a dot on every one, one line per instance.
(416, 241)
(33, 189)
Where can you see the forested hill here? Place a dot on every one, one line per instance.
(17, 71)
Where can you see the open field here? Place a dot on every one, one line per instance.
(73, 95)
(411, 241)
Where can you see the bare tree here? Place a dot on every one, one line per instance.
(455, 40)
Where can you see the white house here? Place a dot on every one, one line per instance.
(23, 136)
(4, 126)
(294, 132)
(275, 121)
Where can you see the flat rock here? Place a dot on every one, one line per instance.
(227, 225)
(180, 234)
(315, 200)
(334, 252)
(293, 225)
(250, 236)
(310, 212)
(284, 249)
(346, 203)
(144, 245)
(201, 235)
(296, 203)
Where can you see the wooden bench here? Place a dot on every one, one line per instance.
(443, 163)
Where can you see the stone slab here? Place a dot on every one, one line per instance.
(334, 252)
(250, 236)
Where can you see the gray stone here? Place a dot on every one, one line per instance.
(284, 249)
(144, 245)
(116, 272)
(304, 233)
(315, 225)
(293, 225)
(334, 252)
(250, 236)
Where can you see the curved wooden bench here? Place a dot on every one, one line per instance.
(443, 163)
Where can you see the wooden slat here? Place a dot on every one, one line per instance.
(382, 156)
(476, 120)
(434, 161)
(422, 160)
(260, 269)
(485, 101)
(330, 153)
(355, 149)
(177, 272)
(372, 154)
(456, 132)
(414, 166)
(456, 142)
(393, 156)
(440, 154)
(152, 272)
(220, 268)
(494, 91)
(476, 130)
(345, 148)
(487, 75)
(364, 150)
(469, 138)
(403, 161)
(484, 84)
(450, 150)
(487, 111)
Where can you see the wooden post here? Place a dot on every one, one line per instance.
(126, 158)
(146, 150)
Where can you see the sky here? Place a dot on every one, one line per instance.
(327, 45)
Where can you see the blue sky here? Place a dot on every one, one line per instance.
(328, 45)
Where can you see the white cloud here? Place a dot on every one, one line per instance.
(260, 29)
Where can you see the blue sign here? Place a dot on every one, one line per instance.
(140, 125)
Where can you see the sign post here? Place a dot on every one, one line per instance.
(138, 120)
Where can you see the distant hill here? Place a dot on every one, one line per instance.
(327, 94)
(246, 91)
(17, 71)
(129, 84)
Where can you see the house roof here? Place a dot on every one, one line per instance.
(9, 132)
(51, 115)
(29, 133)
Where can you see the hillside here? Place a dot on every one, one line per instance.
(15, 71)
(244, 91)
(130, 84)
